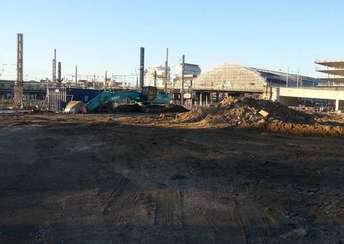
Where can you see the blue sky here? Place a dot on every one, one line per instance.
(106, 34)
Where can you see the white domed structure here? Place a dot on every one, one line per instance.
(245, 79)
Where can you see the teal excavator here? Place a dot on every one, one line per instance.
(148, 96)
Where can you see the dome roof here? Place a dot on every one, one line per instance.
(231, 78)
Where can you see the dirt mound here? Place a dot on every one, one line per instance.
(245, 113)
(304, 129)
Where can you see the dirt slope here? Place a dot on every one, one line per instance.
(109, 183)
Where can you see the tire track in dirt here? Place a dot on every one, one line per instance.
(253, 222)
(118, 190)
(168, 214)
(223, 217)
(181, 215)
(164, 211)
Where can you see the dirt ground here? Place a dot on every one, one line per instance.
(97, 179)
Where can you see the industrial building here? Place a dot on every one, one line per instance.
(213, 85)
(189, 73)
(334, 71)
(156, 76)
(32, 90)
(34, 93)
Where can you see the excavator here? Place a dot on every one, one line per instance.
(148, 97)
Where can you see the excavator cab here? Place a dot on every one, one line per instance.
(149, 94)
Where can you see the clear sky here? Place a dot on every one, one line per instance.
(100, 35)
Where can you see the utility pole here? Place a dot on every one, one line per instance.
(76, 76)
(166, 70)
(155, 78)
(142, 67)
(301, 81)
(106, 81)
(182, 81)
(287, 81)
(94, 81)
(18, 86)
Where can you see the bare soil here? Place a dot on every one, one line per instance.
(142, 179)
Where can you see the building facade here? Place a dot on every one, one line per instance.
(156, 76)
(333, 73)
(32, 90)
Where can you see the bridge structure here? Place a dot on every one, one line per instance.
(289, 96)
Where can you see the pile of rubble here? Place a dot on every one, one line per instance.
(244, 113)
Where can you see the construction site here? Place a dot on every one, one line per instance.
(235, 154)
